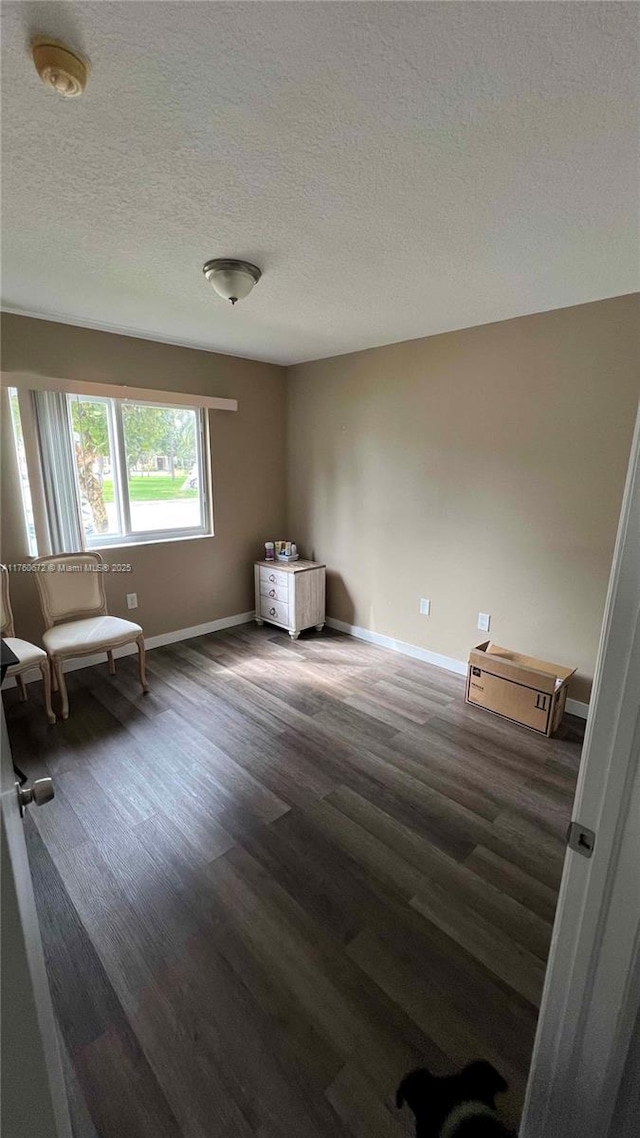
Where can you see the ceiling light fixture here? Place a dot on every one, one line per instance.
(232, 280)
(60, 68)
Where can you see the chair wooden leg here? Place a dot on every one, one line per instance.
(62, 688)
(141, 664)
(112, 663)
(54, 675)
(46, 680)
(22, 688)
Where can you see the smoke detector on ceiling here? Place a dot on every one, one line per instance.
(60, 68)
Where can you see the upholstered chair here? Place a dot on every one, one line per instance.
(74, 607)
(29, 655)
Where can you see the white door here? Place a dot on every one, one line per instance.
(582, 1071)
(34, 1102)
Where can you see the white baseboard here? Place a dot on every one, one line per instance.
(574, 707)
(149, 642)
(446, 662)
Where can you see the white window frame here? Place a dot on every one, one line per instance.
(14, 412)
(128, 536)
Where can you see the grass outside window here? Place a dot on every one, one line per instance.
(152, 487)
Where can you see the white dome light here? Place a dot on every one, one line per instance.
(232, 280)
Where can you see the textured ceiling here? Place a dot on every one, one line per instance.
(396, 169)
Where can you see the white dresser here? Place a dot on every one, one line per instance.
(291, 596)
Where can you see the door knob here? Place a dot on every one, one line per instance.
(39, 792)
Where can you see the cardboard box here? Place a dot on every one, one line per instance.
(520, 688)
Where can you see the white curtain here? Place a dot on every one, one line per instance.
(53, 425)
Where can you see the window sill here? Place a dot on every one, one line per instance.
(152, 541)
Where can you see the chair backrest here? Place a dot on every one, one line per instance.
(6, 615)
(71, 586)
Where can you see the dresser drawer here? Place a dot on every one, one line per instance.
(270, 577)
(291, 596)
(275, 592)
(274, 610)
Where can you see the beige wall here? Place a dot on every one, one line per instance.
(184, 583)
(482, 469)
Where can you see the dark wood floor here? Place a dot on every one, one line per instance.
(282, 879)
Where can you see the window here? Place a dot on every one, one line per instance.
(140, 469)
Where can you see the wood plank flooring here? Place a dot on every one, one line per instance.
(282, 879)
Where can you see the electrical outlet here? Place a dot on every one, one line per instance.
(132, 600)
(484, 621)
(425, 606)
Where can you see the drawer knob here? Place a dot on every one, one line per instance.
(272, 612)
(272, 592)
(272, 578)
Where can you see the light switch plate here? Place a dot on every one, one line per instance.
(484, 621)
(425, 606)
(132, 600)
